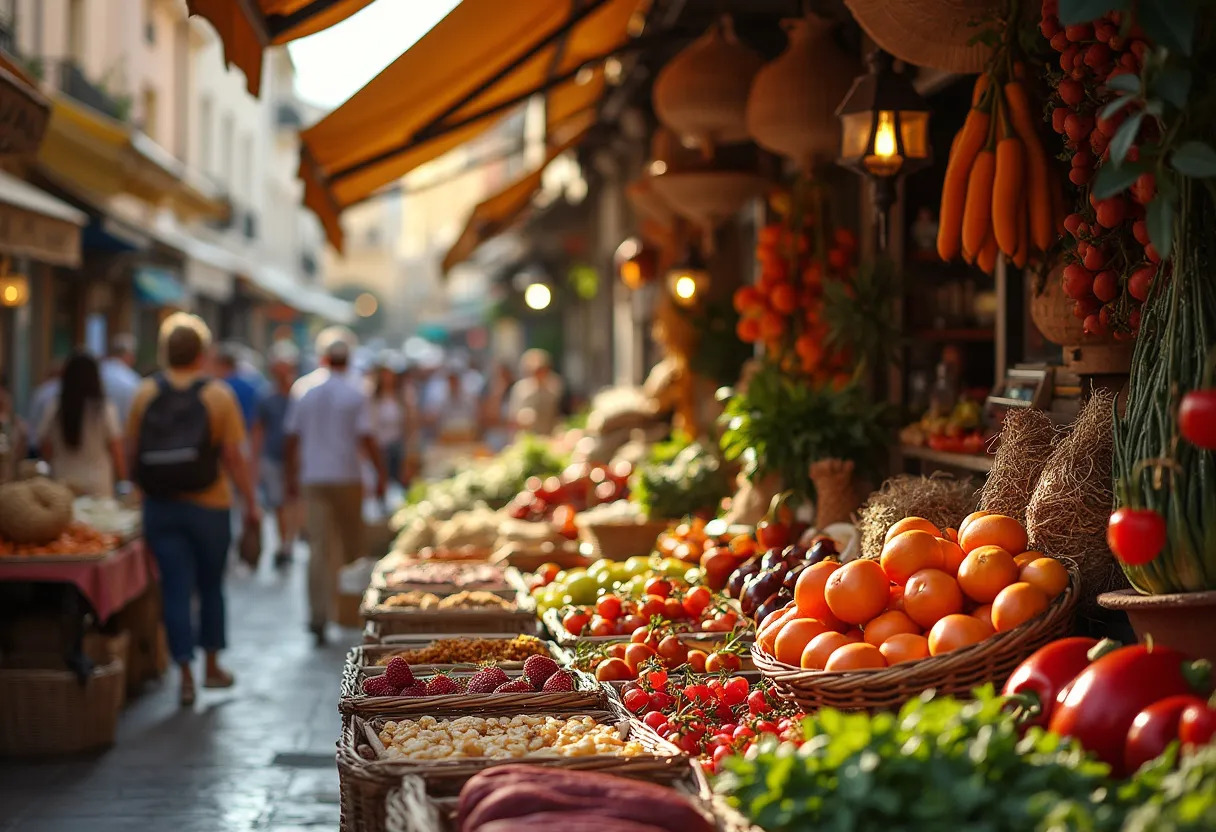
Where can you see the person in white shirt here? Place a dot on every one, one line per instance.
(45, 395)
(388, 419)
(327, 428)
(80, 435)
(536, 399)
(118, 379)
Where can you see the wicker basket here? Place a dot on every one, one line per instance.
(621, 541)
(404, 620)
(371, 655)
(955, 674)
(365, 783)
(587, 695)
(49, 712)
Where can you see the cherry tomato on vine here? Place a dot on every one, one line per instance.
(1197, 418)
(697, 600)
(1197, 725)
(1136, 536)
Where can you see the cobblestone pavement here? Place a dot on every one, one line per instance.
(259, 756)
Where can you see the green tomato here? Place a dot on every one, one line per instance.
(605, 580)
(637, 565)
(600, 566)
(673, 568)
(582, 590)
(634, 586)
(693, 576)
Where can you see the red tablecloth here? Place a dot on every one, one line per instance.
(108, 583)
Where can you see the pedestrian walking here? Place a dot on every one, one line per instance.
(269, 439)
(118, 376)
(536, 399)
(228, 370)
(389, 420)
(328, 429)
(186, 434)
(80, 435)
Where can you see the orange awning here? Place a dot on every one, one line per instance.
(494, 215)
(246, 27)
(478, 63)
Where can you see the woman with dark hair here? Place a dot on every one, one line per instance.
(80, 436)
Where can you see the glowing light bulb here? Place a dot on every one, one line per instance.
(537, 296)
(685, 287)
(884, 136)
(11, 294)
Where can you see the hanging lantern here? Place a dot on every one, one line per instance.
(14, 288)
(702, 92)
(884, 132)
(688, 280)
(792, 106)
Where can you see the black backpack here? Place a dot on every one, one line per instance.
(176, 454)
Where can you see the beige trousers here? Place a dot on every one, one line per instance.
(335, 538)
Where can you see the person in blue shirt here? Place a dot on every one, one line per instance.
(227, 370)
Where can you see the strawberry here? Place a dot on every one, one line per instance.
(398, 673)
(416, 689)
(559, 682)
(487, 680)
(378, 686)
(538, 669)
(518, 686)
(442, 685)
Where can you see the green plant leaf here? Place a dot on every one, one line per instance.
(1128, 82)
(1169, 23)
(1122, 141)
(1194, 159)
(1112, 180)
(1115, 106)
(1173, 84)
(1160, 222)
(1083, 11)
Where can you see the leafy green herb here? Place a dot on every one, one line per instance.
(681, 477)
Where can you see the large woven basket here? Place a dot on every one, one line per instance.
(621, 541)
(956, 673)
(365, 782)
(403, 620)
(45, 712)
(587, 695)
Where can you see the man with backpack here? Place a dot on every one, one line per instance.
(186, 436)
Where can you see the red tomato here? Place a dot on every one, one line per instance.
(645, 635)
(636, 701)
(658, 586)
(697, 600)
(1154, 728)
(672, 651)
(652, 606)
(629, 623)
(1197, 418)
(1136, 536)
(1197, 725)
(1106, 697)
(673, 610)
(601, 627)
(773, 535)
(609, 606)
(722, 661)
(575, 621)
(613, 670)
(697, 660)
(1046, 672)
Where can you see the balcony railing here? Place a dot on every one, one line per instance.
(72, 82)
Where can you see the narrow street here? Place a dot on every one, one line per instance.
(259, 756)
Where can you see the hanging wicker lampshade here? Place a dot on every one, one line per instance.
(932, 33)
(702, 92)
(792, 106)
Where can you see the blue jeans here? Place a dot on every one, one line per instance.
(190, 544)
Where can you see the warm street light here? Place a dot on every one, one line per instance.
(688, 279)
(14, 290)
(884, 132)
(537, 296)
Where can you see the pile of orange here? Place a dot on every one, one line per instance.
(930, 592)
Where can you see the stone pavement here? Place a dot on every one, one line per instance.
(259, 756)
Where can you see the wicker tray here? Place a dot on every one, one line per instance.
(409, 808)
(398, 621)
(48, 712)
(621, 541)
(587, 695)
(365, 783)
(552, 619)
(370, 655)
(956, 673)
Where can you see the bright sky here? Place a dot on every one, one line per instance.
(333, 65)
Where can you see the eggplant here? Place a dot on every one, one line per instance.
(791, 577)
(822, 549)
(773, 602)
(761, 585)
(794, 555)
(735, 584)
(771, 558)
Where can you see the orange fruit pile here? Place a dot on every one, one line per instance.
(930, 592)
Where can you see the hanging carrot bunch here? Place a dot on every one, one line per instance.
(784, 309)
(998, 195)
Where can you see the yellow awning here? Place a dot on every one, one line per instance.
(246, 27)
(494, 215)
(482, 60)
(103, 156)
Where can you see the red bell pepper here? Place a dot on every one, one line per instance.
(1037, 682)
(1106, 697)
(1154, 728)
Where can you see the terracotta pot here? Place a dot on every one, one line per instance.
(1185, 621)
(702, 92)
(793, 101)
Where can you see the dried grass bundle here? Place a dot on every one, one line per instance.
(1068, 512)
(1028, 439)
(940, 499)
